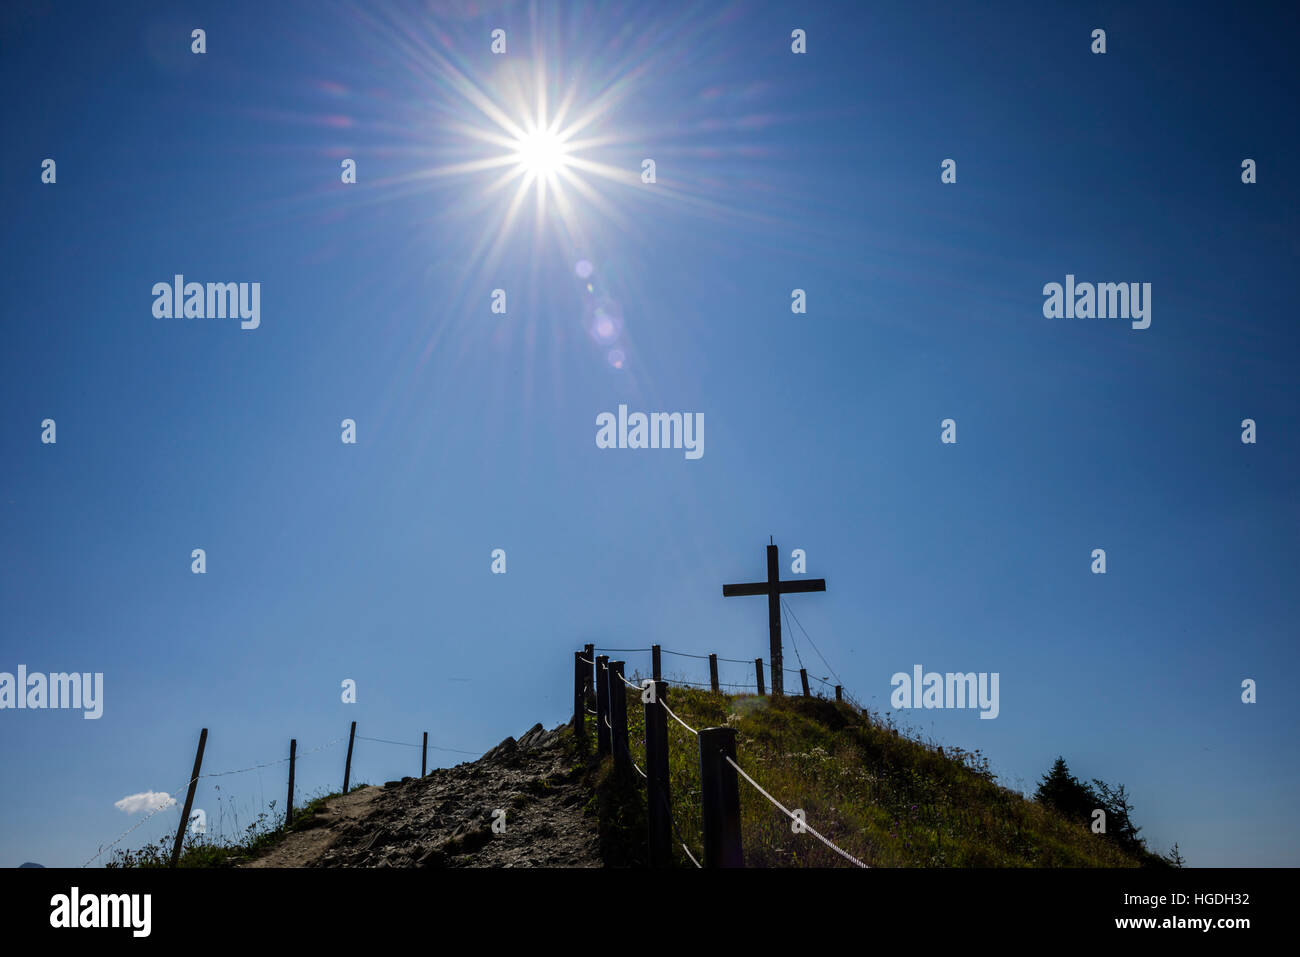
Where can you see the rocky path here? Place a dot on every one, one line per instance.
(445, 818)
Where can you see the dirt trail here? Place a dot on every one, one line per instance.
(445, 818)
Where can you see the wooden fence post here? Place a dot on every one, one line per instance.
(758, 672)
(424, 755)
(589, 687)
(803, 676)
(293, 757)
(658, 816)
(713, 671)
(347, 767)
(579, 695)
(189, 797)
(618, 712)
(602, 706)
(654, 662)
(839, 693)
(720, 798)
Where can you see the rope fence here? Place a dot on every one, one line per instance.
(798, 821)
(673, 714)
(720, 771)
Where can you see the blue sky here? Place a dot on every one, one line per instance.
(774, 171)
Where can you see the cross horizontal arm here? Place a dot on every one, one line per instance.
(802, 584)
(784, 587)
(751, 588)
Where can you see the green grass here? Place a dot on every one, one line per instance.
(886, 799)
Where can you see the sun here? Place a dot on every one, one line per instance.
(541, 153)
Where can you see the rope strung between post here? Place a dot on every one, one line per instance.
(580, 658)
(623, 649)
(804, 824)
(589, 711)
(634, 687)
(677, 719)
(631, 760)
(607, 724)
(677, 833)
(689, 854)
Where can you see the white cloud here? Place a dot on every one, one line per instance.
(146, 801)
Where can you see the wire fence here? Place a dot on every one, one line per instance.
(170, 796)
(750, 686)
(911, 734)
(408, 744)
(171, 801)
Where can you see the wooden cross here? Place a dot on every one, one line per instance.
(774, 588)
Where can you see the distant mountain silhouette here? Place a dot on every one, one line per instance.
(30, 864)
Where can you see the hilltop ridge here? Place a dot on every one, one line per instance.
(879, 795)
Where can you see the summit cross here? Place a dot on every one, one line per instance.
(774, 588)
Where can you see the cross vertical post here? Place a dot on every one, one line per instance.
(774, 588)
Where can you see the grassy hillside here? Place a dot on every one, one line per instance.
(887, 800)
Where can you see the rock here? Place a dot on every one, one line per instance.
(529, 739)
(505, 747)
(444, 820)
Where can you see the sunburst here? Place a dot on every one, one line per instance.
(541, 154)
